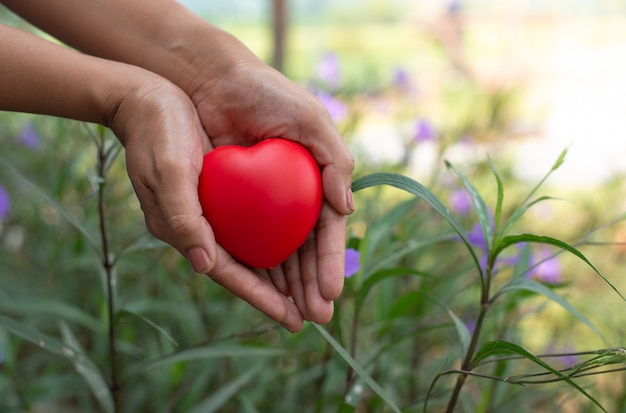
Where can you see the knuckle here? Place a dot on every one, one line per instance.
(180, 226)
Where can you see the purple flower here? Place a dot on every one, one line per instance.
(424, 131)
(401, 79)
(337, 109)
(329, 71)
(471, 326)
(545, 267)
(353, 262)
(5, 203)
(460, 202)
(476, 237)
(28, 136)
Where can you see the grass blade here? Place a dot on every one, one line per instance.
(415, 188)
(88, 371)
(27, 184)
(367, 379)
(219, 397)
(204, 352)
(523, 284)
(484, 217)
(517, 239)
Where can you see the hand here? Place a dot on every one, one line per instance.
(165, 143)
(248, 101)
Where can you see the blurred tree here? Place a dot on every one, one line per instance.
(279, 21)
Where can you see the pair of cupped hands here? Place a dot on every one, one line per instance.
(166, 132)
(172, 87)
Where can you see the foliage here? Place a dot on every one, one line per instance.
(459, 296)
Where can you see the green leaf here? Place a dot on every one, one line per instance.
(147, 242)
(500, 199)
(516, 239)
(555, 166)
(33, 335)
(501, 347)
(204, 352)
(382, 275)
(358, 369)
(523, 284)
(47, 309)
(125, 313)
(415, 188)
(519, 212)
(412, 245)
(25, 183)
(479, 204)
(216, 400)
(88, 371)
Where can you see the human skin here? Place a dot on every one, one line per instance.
(172, 86)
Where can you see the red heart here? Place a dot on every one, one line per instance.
(261, 201)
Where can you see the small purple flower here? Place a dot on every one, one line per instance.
(476, 237)
(353, 262)
(337, 109)
(546, 268)
(424, 131)
(471, 326)
(460, 202)
(402, 80)
(5, 203)
(329, 70)
(454, 7)
(28, 136)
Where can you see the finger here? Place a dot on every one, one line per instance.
(277, 277)
(317, 308)
(291, 268)
(259, 293)
(319, 134)
(331, 252)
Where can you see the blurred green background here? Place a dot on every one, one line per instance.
(410, 84)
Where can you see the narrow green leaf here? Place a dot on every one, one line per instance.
(519, 212)
(216, 400)
(47, 309)
(33, 335)
(411, 246)
(480, 206)
(147, 242)
(524, 284)
(559, 161)
(26, 183)
(516, 239)
(358, 369)
(88, 371)
(111, 155)
(382, 275)
(555, 166)
(126, 313)
(204, 352)
(415, 188)
(501, 347)
(500, 199)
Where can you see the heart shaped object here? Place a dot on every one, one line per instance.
(261, 201)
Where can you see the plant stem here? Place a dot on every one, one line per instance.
(467, 361)
(108, 264)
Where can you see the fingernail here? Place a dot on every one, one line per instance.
(199, 260)
(350, 200)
